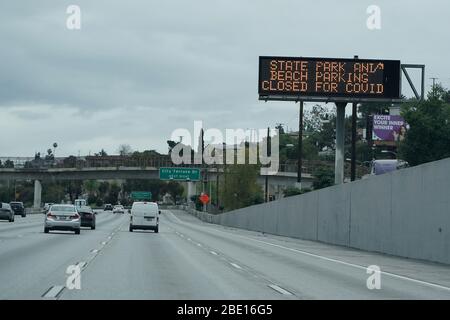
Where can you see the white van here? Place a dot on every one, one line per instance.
(144, 216)
(80, 203)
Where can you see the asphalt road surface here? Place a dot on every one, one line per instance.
(190, 259)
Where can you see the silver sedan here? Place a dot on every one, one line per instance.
(62, 217)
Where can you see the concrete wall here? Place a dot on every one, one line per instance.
(404, 213)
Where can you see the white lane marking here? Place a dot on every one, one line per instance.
(94, 251)
(280, 290)
(199, 245)
(82, 264)
(53, 292)
(181, 235)
(189, 239)
(235, 265)
(214, 253)
(109, 238)
(104, 242)
(393, 275)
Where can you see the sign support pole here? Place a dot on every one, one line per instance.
(300, 147)
(353, 159)
(340, 137)
(266, 187)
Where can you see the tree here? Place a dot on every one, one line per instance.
(314, 119)
(239, 186)
(154, 186)
(323, 177)
(125, 150)
(9, 164)
(428, 138)
(102, 153)
(53, 192)
(293, 191)
(90, 186)
(174, 189)
(103, 188)
(280, 128)
(70, 162)
(113, 195)
(49, 155)
(74, 189)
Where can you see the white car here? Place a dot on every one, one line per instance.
(118, 209)
(144, 216)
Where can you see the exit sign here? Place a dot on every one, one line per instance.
(141, 195)
(179, 174)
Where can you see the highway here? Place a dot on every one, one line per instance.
(190, 259)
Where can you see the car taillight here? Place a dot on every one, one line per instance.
(50, 215)
(75, 216)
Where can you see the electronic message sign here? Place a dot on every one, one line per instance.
(327, 79)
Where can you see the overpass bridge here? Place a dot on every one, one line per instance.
(84, 168)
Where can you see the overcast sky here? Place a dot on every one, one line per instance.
(137, 70)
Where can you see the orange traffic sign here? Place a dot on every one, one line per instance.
(204, 198)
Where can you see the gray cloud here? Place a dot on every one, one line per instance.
(144, 68)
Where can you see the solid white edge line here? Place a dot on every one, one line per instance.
(393, 275)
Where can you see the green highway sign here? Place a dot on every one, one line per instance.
(141, 195)
(180, 174)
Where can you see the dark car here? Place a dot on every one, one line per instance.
(87, 217)
(108, 207)
(18, 208)
(6, 212)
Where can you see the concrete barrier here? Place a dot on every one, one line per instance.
(404, 213)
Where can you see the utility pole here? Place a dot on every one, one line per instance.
(353, 155)
(267, 173)
(217, 188)
(205, 170)
(434, 84)
(300, 147)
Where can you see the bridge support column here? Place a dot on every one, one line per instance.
(37, 194)
(191, 190)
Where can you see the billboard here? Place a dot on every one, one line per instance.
(389, 127)
(327, 79)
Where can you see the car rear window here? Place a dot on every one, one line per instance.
(63, 208)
